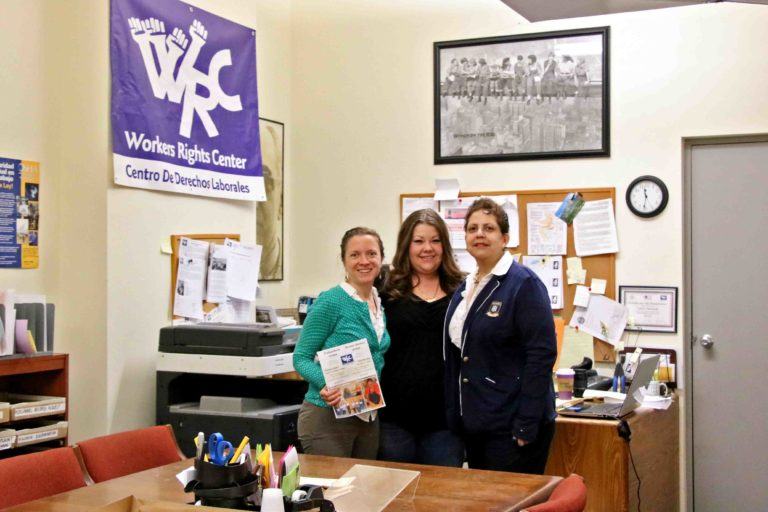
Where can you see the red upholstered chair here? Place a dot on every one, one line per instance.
(570, 495)
(129, 452)
(37, 475)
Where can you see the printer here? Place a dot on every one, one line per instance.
(217, 378)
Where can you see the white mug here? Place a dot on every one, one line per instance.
(656, 388)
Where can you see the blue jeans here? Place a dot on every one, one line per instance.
(440, 448)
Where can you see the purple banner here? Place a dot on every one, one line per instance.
(184, 104)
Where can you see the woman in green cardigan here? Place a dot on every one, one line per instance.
(348, 312)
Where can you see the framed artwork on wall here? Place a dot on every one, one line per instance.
(269, 213)
(528, 96)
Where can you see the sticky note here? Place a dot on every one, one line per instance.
(582, 297)
(577, 276)
(574, 263)
(598, 286)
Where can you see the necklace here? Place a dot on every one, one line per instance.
(427, 297)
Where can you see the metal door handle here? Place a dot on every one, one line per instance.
(707, 341)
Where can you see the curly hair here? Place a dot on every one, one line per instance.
(490, 207)
(400, 281)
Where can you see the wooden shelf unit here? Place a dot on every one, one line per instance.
(38, 374)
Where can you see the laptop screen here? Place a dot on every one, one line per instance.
(641, 379)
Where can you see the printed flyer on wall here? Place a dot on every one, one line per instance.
(185, 114)
(19, 213)
(350, 369)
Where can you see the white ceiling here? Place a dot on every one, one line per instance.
(539, 10)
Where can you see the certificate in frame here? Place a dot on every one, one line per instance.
(654, 308)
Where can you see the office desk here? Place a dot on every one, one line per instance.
(593, 449)
(439, 488)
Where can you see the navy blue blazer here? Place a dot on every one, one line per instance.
(501, 379)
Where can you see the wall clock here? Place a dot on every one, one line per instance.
(647, 196)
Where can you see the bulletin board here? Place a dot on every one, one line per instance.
(217, 239)
(601, 266)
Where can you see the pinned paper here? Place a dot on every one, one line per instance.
(604, 319)
(574, 263)
(576, 345)
(550, 270)
(446, 189)
(570, 207)
(509, 204)
(576, 276)
(581, 298)
(598, 286)
(594, 230)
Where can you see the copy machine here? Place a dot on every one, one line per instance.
(213, 378)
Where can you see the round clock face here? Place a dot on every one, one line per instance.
(647, 196)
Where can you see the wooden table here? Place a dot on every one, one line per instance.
(439, 488)
(593, 449)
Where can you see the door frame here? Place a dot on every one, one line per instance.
(688, 144)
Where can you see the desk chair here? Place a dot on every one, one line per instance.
(115, 455)
(570, 495)
(38, 475)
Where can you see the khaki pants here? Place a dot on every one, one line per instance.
(321, 433)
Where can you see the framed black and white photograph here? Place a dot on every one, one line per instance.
(528, 96)
(269, 213)
(651, 308)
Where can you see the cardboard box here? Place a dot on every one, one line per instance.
(5, 412)
(134, 504)
(25, 407)
(7, 439)
(41, 432)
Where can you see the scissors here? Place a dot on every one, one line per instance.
(219, 449)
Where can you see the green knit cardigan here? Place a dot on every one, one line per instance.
(334, 319)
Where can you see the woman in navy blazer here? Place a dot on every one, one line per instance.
(499, 347)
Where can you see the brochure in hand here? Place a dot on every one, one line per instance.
(350, 369)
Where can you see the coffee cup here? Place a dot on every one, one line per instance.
(656, 388)
(272, 500)
(565, 377)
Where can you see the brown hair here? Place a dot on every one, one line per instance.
(489, 207)
(360, 231)
(400, 282)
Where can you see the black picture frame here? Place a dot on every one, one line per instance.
(624, 290)
(483, 119)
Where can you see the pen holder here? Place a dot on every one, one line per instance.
(223, 486)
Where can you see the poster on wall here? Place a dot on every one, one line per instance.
(19, 213)
(184, 103)
(269, 213)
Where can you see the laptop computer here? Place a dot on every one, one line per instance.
(642, 378)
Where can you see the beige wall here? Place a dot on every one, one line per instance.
(76, 128)
(23, 113)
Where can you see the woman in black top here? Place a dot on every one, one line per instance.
(415, 297)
